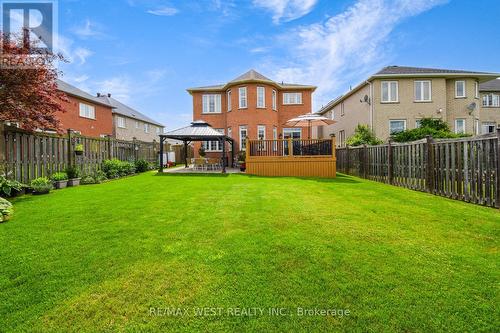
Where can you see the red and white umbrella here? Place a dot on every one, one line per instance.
(309, 120)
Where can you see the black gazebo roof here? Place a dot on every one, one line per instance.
(199, 130)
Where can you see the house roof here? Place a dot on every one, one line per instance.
(405, 71)
(251, 76)
(493, 85)
(127, 111)
(198, 130)
(74, 91)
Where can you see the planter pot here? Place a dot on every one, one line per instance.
(78, 152)
(243, 167)
(74, 182)
(16, 193)
(59, 184)
(41, 192)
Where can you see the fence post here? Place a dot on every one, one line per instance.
(429, 184)
(333, 145)
(497, 199)
(2, 146)
(247, 148)
(110, 151)
(70, 147)
(390, 162)
(365, 161)
(347, 159)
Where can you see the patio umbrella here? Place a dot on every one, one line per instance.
(309, 120)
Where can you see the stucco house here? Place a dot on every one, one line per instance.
(490, 106)
(397, 97)
(129, 123)
(252, 106)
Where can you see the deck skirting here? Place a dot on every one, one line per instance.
(296, 166)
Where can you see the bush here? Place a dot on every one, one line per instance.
(95, 178)
(436, 128)
(73, 172)
(115, 168)
(59, 176)
(363, 135)
(7, 186)
(141, 166)
(41, 185)
(88, 179)
(6, 210)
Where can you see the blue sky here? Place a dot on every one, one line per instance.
(146, 53)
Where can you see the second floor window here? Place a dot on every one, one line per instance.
(274, 100)
(146, 128)
(242, 97)
(261, 97)
(211, 103)
(491, 100)
(389, 91)
(292, 98)
(137, 124)
(121, 122)
(341, 109)
(87, 111)
(228, 97)
(459, 89)
(396, 126)
(423, 91)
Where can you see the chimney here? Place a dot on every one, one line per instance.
(109, 95)
(98, 94)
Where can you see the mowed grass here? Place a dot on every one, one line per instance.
(101, 257)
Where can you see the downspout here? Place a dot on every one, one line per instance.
(371, 104)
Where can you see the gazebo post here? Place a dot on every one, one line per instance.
(185, 153)
(232, 153)
(162, 139)
(223, 141)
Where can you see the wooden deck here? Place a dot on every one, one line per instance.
(299, 158)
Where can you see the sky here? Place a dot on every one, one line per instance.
(146, 53)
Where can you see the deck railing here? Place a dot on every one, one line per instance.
(290, 147)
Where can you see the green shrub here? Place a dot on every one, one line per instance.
(115, 168)
(79, 147)
(59, 176)
(96, 177)
(7, 186)
(41, 185)
(363, 135)
(88, 179)
(73, 172)
(141, 166)
(6, 210)
(436, 128)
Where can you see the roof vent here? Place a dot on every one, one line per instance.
(98, 94)
(109, 95)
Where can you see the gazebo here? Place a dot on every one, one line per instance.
(199, 130)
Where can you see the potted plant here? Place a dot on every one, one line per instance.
(241, 160)
(60, 179)
(73, 175)
(6, 210)
(202, 152)
(79, 149)
(11, 188)
(41, 185)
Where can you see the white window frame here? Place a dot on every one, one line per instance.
(146, 128)
(243, 139)
(137, 125)
(275, 99)
(342, 110)
(213, 145)
(389, 91)
(398, 120)
(476, 89)
(207, 100)
(261, 102)
(275, 138)
(341, 138)
(157, 130)
(242, 98)
(417, 123)
(87, 111)
(263, 129)
(421, 83)
(487, 125)
(229, 102)
(491, 101)
(457, 131)
(292, 98)
(456, 89)
(121, 122)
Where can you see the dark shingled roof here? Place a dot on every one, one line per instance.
(74, 91)
(251, 75)
(493, 85)
(127, 111)
(395, 70)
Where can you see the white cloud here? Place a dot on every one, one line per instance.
(260, 49)
(163, 11)
(347, 46)
(89, 29)
(71, 52)
(286, 10)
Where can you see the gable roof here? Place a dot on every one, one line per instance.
(198, 129)
(127, 111)
(399, 70)
(74, 91)
(251, 76)
(493, 85)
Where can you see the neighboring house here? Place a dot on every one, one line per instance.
(85, 114)
(250, 106)
(129, 123)
(396, 98)
(490, 106)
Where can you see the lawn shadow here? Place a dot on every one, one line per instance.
(340, 178)
(187, 174)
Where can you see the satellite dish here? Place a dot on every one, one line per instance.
(471, 107)
(366, 98)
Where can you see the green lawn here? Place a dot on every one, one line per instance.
(100, 257)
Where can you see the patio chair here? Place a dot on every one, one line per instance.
(214, 163)
(199, 164)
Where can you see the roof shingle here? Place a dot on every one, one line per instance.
(493, 85)
(127, 111)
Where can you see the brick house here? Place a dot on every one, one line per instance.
(85, 113)
(252, 106)
(397, 97)
(129, 123)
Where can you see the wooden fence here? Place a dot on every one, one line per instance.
(466, 169)
(25, 155)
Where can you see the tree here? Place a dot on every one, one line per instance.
(28, 85)
(363, 135)
(436, 128)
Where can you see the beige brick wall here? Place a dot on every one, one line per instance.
(489, 114)
(130, 131)
(457, 107)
